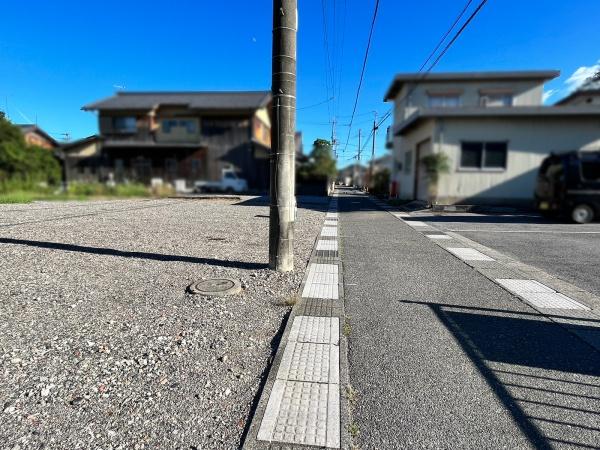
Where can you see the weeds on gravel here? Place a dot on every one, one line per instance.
(290, 301)
(353, 430)
(346, 329)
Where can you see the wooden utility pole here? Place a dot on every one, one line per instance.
(283, 174)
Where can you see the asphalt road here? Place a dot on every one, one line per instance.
(565, 250)
(441, 357)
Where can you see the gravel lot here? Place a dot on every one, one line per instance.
(101, 347)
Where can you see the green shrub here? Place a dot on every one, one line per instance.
(24, 165)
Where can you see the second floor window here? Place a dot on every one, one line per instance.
(125, 124)
(443, 100)
(188, 125)
(496, 100)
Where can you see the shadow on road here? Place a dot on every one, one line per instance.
(545, 377)
(140, 255)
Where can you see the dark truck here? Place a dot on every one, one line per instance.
(568, 184)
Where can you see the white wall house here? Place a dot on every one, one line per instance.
(492, 127)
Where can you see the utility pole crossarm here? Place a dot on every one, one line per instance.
(283, 175)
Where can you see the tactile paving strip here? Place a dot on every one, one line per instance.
(469, 254)
(416, 223)
(321, 282)
(551, 300)
(318, 307)
(327, 245)
(318, 330)
(302, 413)
(331, 215)
(539, 294)
(303, 361)
(329, 231)
(519, 286)
(330, 223)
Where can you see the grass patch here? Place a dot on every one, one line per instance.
(346, 329)
(11, 193)
(353, 430)
(351, 394)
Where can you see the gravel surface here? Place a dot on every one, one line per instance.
(100, 345)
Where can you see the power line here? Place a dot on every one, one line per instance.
(362, 72)
(439, 57)
(446, 34)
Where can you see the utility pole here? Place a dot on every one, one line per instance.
(375, 127)
(283, 175)
(357, 165)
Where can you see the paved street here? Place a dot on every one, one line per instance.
(565, 250)
(443, 357)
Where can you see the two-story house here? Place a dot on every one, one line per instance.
(182, 136)
(493, 128)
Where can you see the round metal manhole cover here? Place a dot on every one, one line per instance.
(218, 287)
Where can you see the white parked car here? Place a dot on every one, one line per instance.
(229, 183)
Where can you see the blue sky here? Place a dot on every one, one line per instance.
(56, 56)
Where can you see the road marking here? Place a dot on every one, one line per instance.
(321, 282)
(539, 294)
(469, 254)
(327, 245)
(329, 231)
(525, 231)
(438, 236)
(401, 214)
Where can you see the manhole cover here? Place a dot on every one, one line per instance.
(217, 287)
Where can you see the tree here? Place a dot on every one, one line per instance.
(27, 165)
(321, 163)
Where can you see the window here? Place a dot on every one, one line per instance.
(408, 162)
(124, 124)
(189, 125)
(444, 100)
(590, 169)
(483, 155)
(496, 100)
(230, 176)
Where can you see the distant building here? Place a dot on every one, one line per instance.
(492, 128)
(182, 136)
(587, 94)
(34, 135)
